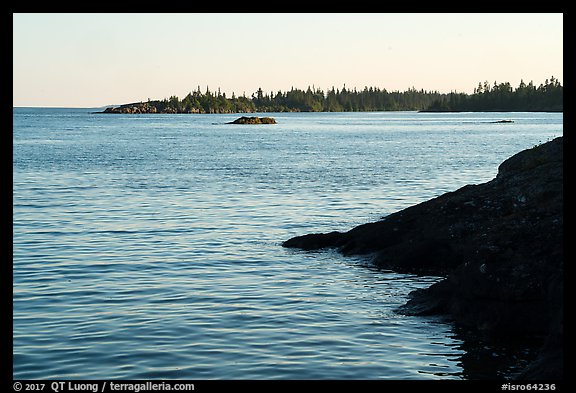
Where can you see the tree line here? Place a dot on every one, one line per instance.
(547, 97)
(486, 97)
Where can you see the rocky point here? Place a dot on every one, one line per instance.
(498, 245)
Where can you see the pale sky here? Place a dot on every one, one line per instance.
(93, 60)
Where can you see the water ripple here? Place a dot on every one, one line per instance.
(139, 260)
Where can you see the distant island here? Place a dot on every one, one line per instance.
(500, 97)
(253, 120)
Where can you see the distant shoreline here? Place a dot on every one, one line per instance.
(502, 97)
(117, 111)
(102, 111)
(239, 113)
(490, 111)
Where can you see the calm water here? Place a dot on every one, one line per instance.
(148, 246)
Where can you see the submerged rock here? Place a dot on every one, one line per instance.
(499, 245)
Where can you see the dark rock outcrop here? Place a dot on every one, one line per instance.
(499, 245)
(253, 120)
(162, 107)
(132, 109)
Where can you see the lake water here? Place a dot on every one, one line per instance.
(148, 246)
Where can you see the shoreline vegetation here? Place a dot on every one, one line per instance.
(498, 97)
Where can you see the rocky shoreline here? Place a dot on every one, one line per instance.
(155, 107)
(498, 245)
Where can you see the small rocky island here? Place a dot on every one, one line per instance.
(253, 120)
(498, 245)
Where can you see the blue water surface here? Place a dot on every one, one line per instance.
(149, 246)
